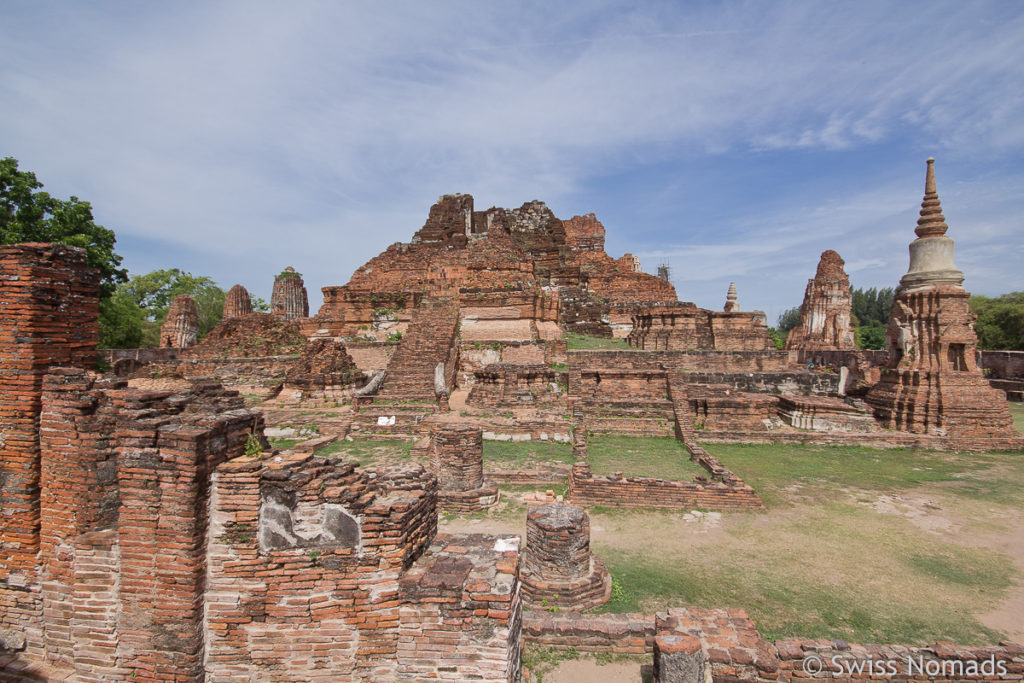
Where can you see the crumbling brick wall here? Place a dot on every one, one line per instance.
(138, 463)
(49, 306)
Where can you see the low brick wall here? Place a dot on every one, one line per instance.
(587, 489)
(261, 376)
(630, 634)
(1002, 364)
(687, 361)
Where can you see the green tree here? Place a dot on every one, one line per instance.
(870, 315)
(871, 307)
(259, 304)
(789, 319)
(1000, 324)
(141, 306)
(28, 214)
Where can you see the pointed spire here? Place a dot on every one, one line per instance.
(731, 304)
(931, 223)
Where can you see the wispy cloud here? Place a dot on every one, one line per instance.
(318, 133)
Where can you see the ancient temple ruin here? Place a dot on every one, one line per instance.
(559, 570)
(289, 300)
(151, 532)
(181, 326)
(931, 383)
(825, 319)
(237, 302)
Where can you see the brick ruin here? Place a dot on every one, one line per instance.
(147, 536)
(288, 299)
(237, 303)
(152, 534)
(181, 326)
(457, 460)
(931, 383)
(684, 327)
(559, 570)
(825, 319)
(49, 303)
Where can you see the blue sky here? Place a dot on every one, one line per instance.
(735, 141)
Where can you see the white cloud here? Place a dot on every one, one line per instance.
(322, 131)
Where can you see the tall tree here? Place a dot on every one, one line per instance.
(28, 214)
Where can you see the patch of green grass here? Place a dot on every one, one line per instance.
(520, 454)
(961, 569)
(661, 457)
(367, 451)
(1017, 411)
(833, 571)
(783, 473)
(283, 444)
(584, 342)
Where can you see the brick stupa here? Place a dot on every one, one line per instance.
(181, 326)
(289, 300)
(237, 303)
(825, 313)
(932, 383)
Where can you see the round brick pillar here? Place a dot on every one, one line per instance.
(558, 568)
(457, 457)
(558, 542)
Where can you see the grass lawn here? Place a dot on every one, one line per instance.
(660, 457)
(367, 452)
(1017, 410)
(515, 455)
(584, 342)
(886, 546)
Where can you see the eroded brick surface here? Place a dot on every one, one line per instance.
(825, 321)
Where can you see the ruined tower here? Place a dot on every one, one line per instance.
(732, 304)
(825, 313)
(237, 302)
(288, 300)
(931, 383)
(181, 326)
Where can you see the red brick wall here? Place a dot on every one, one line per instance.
(49, 309)
(587, 489)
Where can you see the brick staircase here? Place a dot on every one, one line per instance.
(432, 334)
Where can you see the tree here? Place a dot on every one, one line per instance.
(28, 214)
(138, 307)
(1000, 323)
(870, 310)
(789, 319)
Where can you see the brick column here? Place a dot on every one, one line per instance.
(78, 489)
(49, 309)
